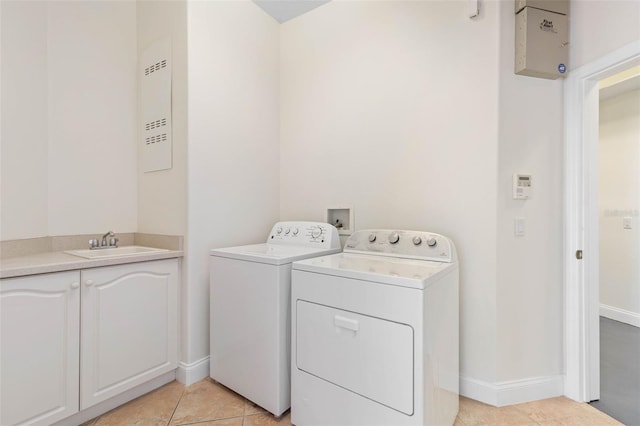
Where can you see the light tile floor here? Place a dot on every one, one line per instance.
(207, 403)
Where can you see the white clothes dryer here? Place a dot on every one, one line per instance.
(375, 332)
(250, 308)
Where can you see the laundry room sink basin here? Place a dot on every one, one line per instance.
(114, 252)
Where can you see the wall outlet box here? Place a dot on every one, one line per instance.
(342, 219)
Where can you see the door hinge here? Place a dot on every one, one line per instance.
(579, 254)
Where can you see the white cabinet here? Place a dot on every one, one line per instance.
(39, 339)
(70, 340)
(129, 327)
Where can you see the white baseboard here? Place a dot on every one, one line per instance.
(512, 392)
(188, 374)
(478, 390)
(617, 314)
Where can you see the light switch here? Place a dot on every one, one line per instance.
(520, 226)
(626, 222)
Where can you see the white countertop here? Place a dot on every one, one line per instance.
(42, 263)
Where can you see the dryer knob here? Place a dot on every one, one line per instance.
(316, 232)
(394, 237)
(417, 240)
(287, 230)
(372, 237)
(431, 242)
(279, 230)
(295, 231)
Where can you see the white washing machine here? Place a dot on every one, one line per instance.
(375, 332)
(250, 303)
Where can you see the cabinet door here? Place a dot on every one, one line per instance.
(39, 332)
(129, 327)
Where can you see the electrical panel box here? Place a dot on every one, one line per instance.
(542, 39)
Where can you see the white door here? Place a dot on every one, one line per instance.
(39, 332)
(582, 304)
(129, 327)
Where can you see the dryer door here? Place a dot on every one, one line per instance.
(369, 356)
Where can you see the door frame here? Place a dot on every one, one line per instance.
(582, 299)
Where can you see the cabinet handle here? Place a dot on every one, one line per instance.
(88, 283)
(75, 285)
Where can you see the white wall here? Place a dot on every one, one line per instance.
(69, 118)
(233, 163)
(530, 281)
(162, 195)
(619, 196)
(392, 107)
(24, 134)
(92, 117)
(600, 27)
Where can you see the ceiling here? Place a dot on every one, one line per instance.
(284, 10)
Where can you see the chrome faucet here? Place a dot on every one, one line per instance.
(104, 237)
(111, 243)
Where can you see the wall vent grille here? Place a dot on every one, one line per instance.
(156, 139)
(155, 67)
(155, 124)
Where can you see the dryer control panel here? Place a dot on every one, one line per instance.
(403, 244)
(305, 234)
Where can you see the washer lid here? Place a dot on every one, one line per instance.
(383, 270)
(273, 254)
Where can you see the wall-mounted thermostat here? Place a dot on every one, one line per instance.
(521, 186)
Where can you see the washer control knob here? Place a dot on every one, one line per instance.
(287, 230)
(431, 242)
(316, 232)
(394, 237)
(279, 230)
(417, 240)
(372, 237)
(295, 231)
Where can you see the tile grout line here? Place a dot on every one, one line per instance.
(210, 420)
(197, 422)
(244, 410)
(173, 413)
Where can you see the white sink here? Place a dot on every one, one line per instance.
(114, 252)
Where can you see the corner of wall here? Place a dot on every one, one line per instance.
(162, 195)
(190, 373)
(501, 394)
